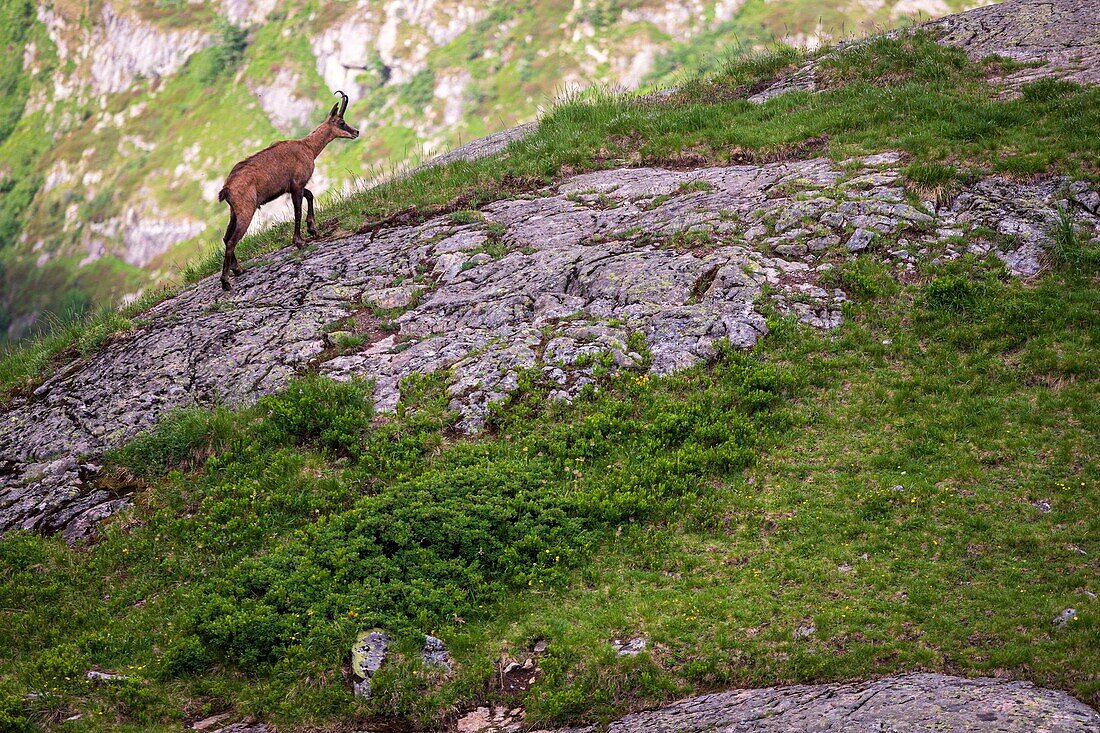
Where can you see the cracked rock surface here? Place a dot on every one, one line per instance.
(607, 265)
(912, 703)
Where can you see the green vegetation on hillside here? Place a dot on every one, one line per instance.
(16, 17)
(880, 484)
(884, 483)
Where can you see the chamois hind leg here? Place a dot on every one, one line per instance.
(230, 263)
(296, 197)
(310, 223)
(227, 260)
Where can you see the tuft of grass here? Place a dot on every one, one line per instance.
(741, 75)
(909, 57)
(953, 293)
(865, 278)
(932, 181)
(1069, 248)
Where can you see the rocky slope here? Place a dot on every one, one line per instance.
(546, 282)
(119, 140)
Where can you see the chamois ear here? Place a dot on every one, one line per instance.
(332, 112)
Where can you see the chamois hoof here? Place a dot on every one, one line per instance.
(226, 284)
(299, 243)
(237, 271)
(313, 234)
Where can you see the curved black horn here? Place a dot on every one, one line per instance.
(343, 102)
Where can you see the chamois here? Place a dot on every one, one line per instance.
(283, 167)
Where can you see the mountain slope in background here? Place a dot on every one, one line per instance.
(120, 118)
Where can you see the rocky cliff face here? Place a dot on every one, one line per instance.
(124, 137)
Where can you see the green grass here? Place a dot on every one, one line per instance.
(15, 19)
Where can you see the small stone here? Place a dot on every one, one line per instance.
(448, 266)
(629, 647)
(844, 567)
(820, 244)
(754, 233)
(367, 656)
(1065, 617)
(898, 487)
(209, 722)
(860, 240)
(540, 646)
(397, 297)
(1042, 505)
(435, 652)
(791, 250)
(97, 676)
(805, 632)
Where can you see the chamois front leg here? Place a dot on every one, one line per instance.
(296, 197)
(310, 223)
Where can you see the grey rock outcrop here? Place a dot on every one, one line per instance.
(911, 703)
(605, 265)
(1061, 39)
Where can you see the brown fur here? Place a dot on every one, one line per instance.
(281, 168)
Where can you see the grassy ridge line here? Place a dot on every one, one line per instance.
(937, 107)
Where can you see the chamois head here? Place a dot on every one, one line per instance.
(336, 119)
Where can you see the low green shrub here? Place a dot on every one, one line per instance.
(953, 293)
